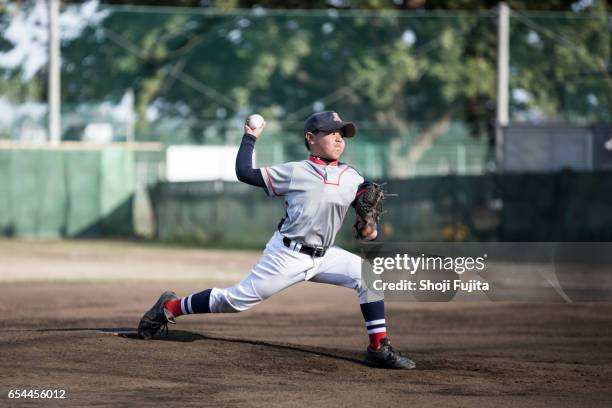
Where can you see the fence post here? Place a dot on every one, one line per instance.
(503, 60)
(53, 101)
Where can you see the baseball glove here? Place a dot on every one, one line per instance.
(368, 206)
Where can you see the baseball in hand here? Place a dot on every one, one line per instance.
(255, 121)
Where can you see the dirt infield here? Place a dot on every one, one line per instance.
(301, 348)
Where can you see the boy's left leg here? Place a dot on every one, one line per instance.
(277, 269)
(342, 268)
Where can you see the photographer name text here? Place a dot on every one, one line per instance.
(443, 286)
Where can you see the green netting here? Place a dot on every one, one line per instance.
(560, 67)
(50, 216)
(73, 192)
(420, 86)
(191, 75)
(214, 213)
(84, 185)
(118, 180)
(533, 207)
(34, 194)
(5, 188)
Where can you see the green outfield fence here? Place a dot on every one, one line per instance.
(71, 190)
(564, 206)
(420, 85)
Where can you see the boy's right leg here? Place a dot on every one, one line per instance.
(342, 268)
(277, 269)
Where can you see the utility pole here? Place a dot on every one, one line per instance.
(131, 120)
(503, 68)
(53, 101)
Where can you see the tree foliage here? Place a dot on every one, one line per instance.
(364, 58)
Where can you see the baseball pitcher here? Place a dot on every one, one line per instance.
(318, 192)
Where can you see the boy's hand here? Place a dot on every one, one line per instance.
(255, 132)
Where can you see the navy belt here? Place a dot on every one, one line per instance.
(305, 249)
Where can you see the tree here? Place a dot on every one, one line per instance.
(394, 71)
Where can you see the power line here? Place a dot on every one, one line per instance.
(187, 79)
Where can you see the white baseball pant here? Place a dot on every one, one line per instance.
(280, 267)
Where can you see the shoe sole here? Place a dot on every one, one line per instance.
(167, 314)
(374, 364)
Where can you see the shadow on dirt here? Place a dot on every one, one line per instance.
(188, 337)
(184, 336)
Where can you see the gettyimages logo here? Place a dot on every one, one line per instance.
(427, 275)
(411, 264)
(489, 271)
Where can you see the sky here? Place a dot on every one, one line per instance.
(28, 31)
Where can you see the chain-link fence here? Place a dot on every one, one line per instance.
(419, 85)
(561, 207)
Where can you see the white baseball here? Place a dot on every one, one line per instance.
(255, 121)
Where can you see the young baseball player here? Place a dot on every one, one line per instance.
(318, 192)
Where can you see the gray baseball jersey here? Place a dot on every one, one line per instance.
(317, 196)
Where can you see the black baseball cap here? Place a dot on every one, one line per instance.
(328, 121)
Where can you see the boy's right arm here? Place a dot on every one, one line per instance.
(275, 180)
(244, 163)
(244, 159)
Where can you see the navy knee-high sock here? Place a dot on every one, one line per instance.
(374, 316)
(195, 303)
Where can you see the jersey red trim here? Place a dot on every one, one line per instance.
(270, 180)
(317, 160)
(339, 176)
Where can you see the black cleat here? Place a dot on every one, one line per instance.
(387, 357)
(156, 317)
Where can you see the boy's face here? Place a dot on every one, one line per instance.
(329, 145)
